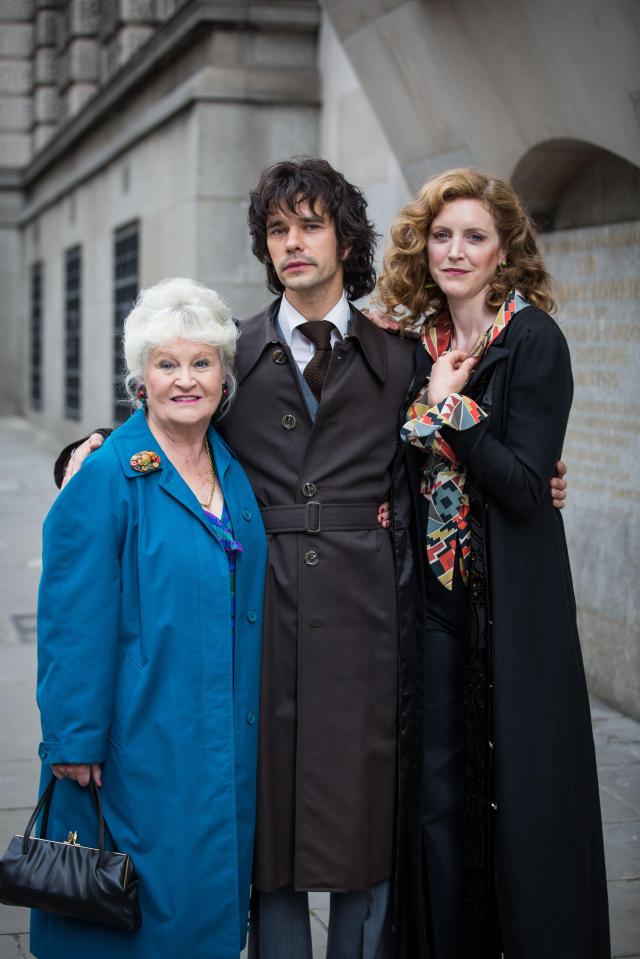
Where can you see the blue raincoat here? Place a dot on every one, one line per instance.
(139, 669)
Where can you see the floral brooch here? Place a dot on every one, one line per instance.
(145, 461)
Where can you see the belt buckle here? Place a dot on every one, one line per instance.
(309, 526)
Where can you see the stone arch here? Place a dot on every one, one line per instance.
(572, 183)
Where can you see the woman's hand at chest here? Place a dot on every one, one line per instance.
(449, 374)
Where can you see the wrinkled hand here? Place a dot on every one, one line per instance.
(559, 486)
(79, 455)
(79, 772)
(384, 514)
(449, 374)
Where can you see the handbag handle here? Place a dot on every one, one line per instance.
(44, 803)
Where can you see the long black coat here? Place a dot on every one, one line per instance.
(332, 786)
(549, 859)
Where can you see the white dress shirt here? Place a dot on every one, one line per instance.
(301, 348)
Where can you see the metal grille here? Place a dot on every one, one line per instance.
(36, 337)
(125, 289)
(73, 332)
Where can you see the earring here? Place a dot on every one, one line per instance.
(501, 266)
(225, 390)
(142, 393)
(430, 285)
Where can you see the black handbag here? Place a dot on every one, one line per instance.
(96, 885)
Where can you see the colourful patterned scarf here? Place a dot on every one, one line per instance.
(444, 477)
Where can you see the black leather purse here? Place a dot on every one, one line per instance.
(96, 885)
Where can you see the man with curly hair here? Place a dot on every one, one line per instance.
(315, 425)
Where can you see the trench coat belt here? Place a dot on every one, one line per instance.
(316, 517)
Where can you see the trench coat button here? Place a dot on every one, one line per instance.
(246, 514)
(311, 558)
(309, 490)
(279, 357)
(251, 718)
(252, 615)
(42, 752)
(289, 421)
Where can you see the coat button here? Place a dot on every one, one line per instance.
(311, 558)
(252, 615)
(251, 718)
(288, 421)
(279, 357)
(309, 490)
(42, 752)
(246, 514)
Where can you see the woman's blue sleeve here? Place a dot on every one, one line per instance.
(79, 612)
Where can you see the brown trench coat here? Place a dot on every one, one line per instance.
(327, 767)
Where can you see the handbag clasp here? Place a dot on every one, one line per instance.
(72, 839)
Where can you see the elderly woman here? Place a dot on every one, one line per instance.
(512, 833)
(149, 644)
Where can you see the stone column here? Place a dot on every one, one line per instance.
(78, 55)
(125, 26)
(16, 45)
(46, 100)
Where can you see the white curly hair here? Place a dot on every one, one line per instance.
(178, 308)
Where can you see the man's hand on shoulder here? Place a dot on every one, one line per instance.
(79, 454)
(380, 319)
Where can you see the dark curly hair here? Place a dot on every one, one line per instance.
(305, 179)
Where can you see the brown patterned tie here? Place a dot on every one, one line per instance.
(315, 372)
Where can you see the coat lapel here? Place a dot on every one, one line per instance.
(371, 341)
(256, 334)
(493, 356)
(134, 436)
(173, 483)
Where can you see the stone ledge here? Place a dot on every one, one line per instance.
(168, 40)
(212, 84)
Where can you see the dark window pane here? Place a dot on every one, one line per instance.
(36, 337)
(125, 289)
(73, 331)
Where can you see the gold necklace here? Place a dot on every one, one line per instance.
(212, 476)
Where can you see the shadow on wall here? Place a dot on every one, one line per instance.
(568, 184)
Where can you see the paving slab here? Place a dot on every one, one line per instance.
(615, 811)
(14, 946)
(622, 848)
(624, 909)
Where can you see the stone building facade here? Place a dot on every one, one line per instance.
(131, 131)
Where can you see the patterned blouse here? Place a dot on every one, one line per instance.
(444, 476)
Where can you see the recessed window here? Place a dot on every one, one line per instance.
(73, 332)
(126, 244)
(35, 357)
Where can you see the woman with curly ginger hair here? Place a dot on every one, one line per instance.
(512, 835)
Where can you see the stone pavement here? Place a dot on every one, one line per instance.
(26, 491)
